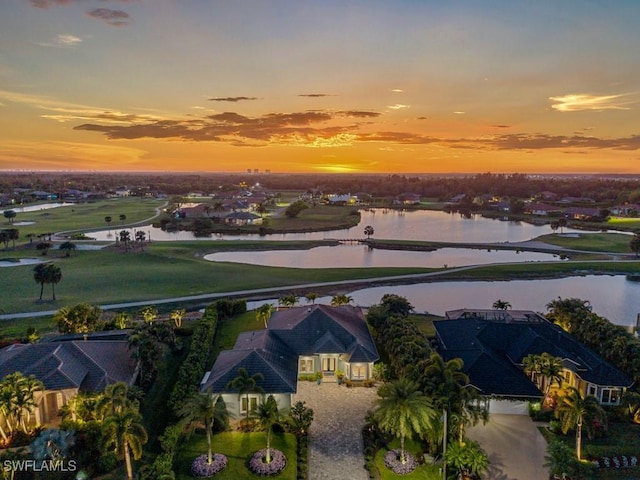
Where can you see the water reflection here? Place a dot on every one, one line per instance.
(347, 256)
(415, 225)
(613, 297)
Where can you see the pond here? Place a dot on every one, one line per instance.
(411, 225)
(349, 256)
(612, 296)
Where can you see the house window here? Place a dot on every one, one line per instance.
(592, 390)
(329, 364)
(610, 396)
(252, 403)
(306, 365)
(567, 377)
(358, 372)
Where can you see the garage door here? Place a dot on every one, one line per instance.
(509, 407)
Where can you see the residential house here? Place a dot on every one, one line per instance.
(39, 195)
(68, 367)
(494, 343)
(582, 213)
(626, 210)
(408, 198)
(300, 340)
(347, 199)
(242, 218)
(542, 209)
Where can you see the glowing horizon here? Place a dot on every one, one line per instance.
(364, 87)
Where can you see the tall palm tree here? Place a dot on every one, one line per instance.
(124, 430)
(368, 231)
(54, 275)
(403, 410)
(40, 276)
(177, 316)
(267, 415)
(341, 299)
(575, 411)
(140, 238)
(203, 408)
(115, 400)
(263, 313)
(246, 384)
(288, 300)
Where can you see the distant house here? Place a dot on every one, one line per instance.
(626, 210)
(301, 340)
(458, 198)
(346, 199)
(39, 195)
(242, 218)
(409, 198)
(68, 367)
(582, 213)
(122, 192)
(542, 209)
(494, 343)
(195, 210)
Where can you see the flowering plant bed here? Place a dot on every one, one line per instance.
(258, 465)
(201, 469)
(392, 462)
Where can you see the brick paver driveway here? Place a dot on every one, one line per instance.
(335, 437)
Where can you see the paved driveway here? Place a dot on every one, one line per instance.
(336, 451)
(515, 447)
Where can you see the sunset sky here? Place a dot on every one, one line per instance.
(363, 86)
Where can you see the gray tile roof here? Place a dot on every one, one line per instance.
(493, 352)
(292, 332)
(86, 365)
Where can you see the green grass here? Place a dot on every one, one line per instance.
(84, 216)
(425, 323)
(596, 242)
(423, 472)
(624, 223)
(229, 329)
(320, 217)
(238, 447)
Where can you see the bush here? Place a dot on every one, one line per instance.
(107, 462)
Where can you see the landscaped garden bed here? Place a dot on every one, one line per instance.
(238, 448)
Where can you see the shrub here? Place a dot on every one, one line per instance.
(258, 465)
(107, 462)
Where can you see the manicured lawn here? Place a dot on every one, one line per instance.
(596, 242)
(320, 217)
(229, 329)
(423, 472)
(238, 447)
(425, 323)
(624, 223)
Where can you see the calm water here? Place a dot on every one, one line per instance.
(416, 225)
(612, 297)
(347, 256)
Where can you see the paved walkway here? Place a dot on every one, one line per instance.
(515, 447)
(335, 438)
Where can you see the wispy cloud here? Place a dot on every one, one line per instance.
(62, 40)
(575, 102)
(115, 18)
(316, 95)
(397, 90)
(398, 106)
(232, 99)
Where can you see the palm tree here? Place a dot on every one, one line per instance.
(177, 316)
(123, 217)
(575, 411)
(10, 215)
(108, 220)
(17, 400)
(562, 222)
(125, 430)
(246, 384)
(403, 410)
(40, 276)
(203, 408)
(115, 400)
(125, 237)
(263, 313)
(311, 297)
(288, 300)
(468, 459)
(149, 313)
(368, 231)
(140, 238)
(550, 368)
(267, 415)
(68, 247)
(341, 299)
(54, 275)
(501, 305)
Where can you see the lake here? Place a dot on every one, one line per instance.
(350, 256)
(612, 296)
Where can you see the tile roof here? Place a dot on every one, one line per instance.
(493, 352)
(86, 365)
(292, 332)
